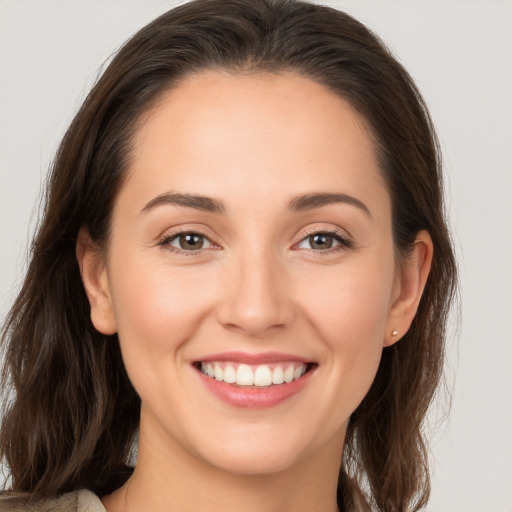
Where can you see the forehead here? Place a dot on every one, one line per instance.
(250, 134)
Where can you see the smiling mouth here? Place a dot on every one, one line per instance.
(255, 376)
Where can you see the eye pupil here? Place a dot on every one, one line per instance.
(191, 241)
(320, 241)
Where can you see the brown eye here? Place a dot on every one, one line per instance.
(324, 241)
(321, 241)
(189, 242)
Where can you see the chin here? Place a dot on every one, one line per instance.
(253, 463)
(256, 454)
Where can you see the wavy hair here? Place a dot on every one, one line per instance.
(70, 412)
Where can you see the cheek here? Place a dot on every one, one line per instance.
(350, 304)
(348, 310)
(157, 308)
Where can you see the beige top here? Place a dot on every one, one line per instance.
(77, 501)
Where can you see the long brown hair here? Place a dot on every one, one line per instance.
(71, 413)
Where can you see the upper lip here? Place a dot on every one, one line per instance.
(254, 359)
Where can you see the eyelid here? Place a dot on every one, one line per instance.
(342, 236)
(165, 239)
(177, 237)
(344, 239)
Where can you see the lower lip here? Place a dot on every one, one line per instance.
(255, 398)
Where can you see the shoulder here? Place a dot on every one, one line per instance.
(89, 502)
(77, 501)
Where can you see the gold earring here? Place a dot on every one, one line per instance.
(394, 333)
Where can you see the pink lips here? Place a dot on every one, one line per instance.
(246, 358)
(249, 396)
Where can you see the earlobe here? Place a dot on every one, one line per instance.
(409, 285)
(96, 284)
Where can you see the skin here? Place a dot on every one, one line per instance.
(254, 142)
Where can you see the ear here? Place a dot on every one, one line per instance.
(95, 280)
(410, 280)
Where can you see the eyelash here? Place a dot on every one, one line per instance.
(166, 242)
(344, 242)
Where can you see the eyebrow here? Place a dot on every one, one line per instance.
(203, 203)
(310, 201)
(297, 204)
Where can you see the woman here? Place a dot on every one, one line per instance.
(243, 271)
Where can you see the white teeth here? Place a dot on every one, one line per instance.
(218, 373)
(244, 375)
(262, 376)
(229, 374)
(288, 374)
(277, 375)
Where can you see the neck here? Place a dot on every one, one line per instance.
(169, 478)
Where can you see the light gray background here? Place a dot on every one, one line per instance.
(460, 54)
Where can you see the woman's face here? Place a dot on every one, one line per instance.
(251, 240)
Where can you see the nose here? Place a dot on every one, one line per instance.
(257, 296)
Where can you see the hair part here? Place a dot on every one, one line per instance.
(74, 413)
